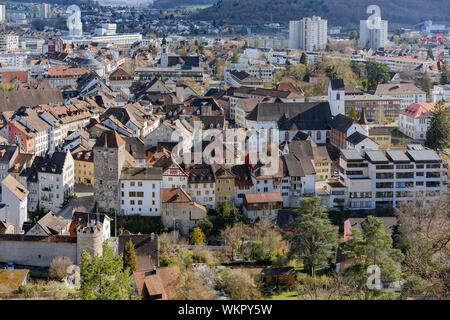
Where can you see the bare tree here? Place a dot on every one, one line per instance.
(425, 237)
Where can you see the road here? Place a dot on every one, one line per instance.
(83, 200)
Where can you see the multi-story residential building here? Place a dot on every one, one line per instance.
(440, 93)
(179, 211)
(371, 36)
(386, 179)
(56, 180)
(9, 42)
(224, 183)
(84, 167)
(120, 80)
(202, 184)
(263, 72)
(18, 60)
(33, 123)
(262, 205)
(309, 34)
(8, 155)
(414, 120)
(13, 208)
(407, 92)
(140, 190)
(64, 76)
(44, 10)
(2, 13)
(398, 63)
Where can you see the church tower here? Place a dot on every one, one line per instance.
(336, 96)
(164, 54)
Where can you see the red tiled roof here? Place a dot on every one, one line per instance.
(420, 110)
(263, 197)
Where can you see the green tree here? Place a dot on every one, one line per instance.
(331, 72)
(129, 257)
(352, 114)
(206, 225)
(304, 59)
(354, 35)
(314, 237)
(103, 277)
(377, 73)
(197, 237)
(356, 68)
(438, 133)
(373, 246)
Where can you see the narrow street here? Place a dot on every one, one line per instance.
(83, 200)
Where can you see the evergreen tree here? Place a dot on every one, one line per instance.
(206, 225)
(103, 277)
(129, 257)
(438, 132)
(331, 72)
(373, 246)
(304, 59)
(314, 237)
(197, 237)
(352, 114)
(377, 73)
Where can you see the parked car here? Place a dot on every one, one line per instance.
(10, 266)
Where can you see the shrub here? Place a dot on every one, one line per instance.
(58, 267)
(205, 256)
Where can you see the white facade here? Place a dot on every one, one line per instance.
(203, 193)
(384, 183)
(2, 13)
(142, 197)
(440, 93)
(309, 34)
(9, 43)
(55, 188)
(373, 38)
(15, 203)
(174, 177)
(13, 60)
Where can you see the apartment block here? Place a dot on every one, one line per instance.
(385, 179)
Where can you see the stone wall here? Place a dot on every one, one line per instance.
(36, 250)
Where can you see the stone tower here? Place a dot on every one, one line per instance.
(89, 239)
(109, 157)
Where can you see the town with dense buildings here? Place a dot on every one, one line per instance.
(213, 161)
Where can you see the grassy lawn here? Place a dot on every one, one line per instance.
(287, 295)
(195, 7)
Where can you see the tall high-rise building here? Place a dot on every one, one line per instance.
(2, 13)
(308, 34)
(373, 36)
(44, 11)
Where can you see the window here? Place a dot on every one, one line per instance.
(132, 184)
(318, 135)
(139, 183)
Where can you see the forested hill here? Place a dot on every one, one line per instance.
(338, 12)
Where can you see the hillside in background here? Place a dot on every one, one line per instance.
(175, 3)
(338, 12)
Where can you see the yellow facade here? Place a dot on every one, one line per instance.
(384, 141)
(84, 172)
(224, 190)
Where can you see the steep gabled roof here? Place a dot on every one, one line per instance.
(109, 139)
(341, 123)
